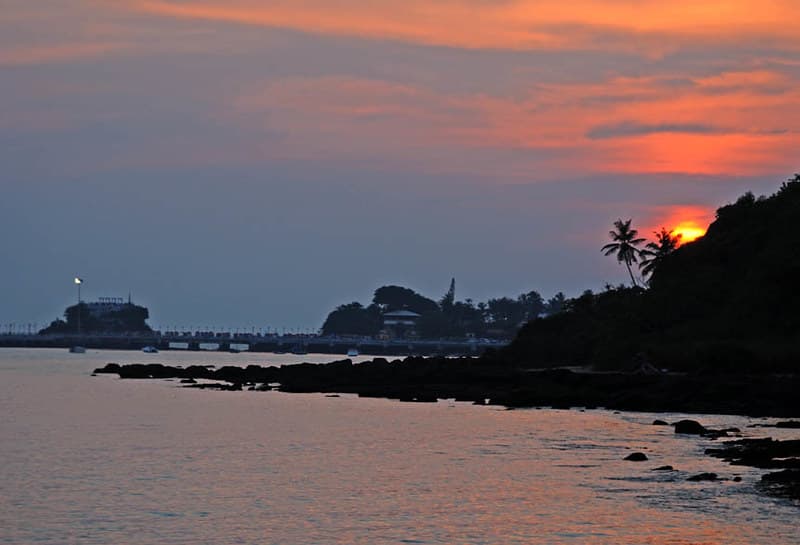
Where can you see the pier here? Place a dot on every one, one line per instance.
(298, 344)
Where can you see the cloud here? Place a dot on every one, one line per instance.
(549, 24)
(632, 128)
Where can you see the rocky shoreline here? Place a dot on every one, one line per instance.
(476, 381)
(482, 381)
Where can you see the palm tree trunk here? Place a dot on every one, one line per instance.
(630, 272)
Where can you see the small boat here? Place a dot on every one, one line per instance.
(150, 350)
(299, 350)
(77, 350)
(352, 352)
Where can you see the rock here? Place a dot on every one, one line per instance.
(737, 479)
(785, 476)
(188, 381)
(663, 468)
(660, 423)
(703, 477)
(690, 427)
(791, 424)
(636, 457)
(109, 368)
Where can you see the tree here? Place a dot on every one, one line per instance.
(655, 252)
(556, 303)
(449, 298)
(353, 319)
(532, 304)
(400, 298)
(624, 244)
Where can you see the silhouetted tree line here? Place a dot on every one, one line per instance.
(129, 319)
(500, 317)
(729, 301)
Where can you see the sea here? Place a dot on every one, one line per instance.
(99, 460)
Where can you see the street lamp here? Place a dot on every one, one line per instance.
(78, 281)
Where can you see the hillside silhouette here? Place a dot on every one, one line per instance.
(725, 302)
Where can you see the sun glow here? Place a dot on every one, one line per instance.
(688, 231)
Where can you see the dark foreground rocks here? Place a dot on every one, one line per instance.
(690, 427)
(767, 453)
(636, 457)
(478, 380)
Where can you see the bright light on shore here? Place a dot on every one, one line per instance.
(78, 280)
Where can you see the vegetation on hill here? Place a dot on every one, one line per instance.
(125, 318)
(727, 301)
(500, 317)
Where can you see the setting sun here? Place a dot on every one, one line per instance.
(688, 231)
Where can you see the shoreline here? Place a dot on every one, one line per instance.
(475, 380)
(428, 380)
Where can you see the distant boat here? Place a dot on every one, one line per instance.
(77, 350)
(299, 350)
(352, 352)
(234, 350)
(150, 350)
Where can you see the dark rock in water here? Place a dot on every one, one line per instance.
(188, 381)
(791, 424)
(783, 483)
(690, 427)
(332, 395)
(636, 457)
(109, 368)
(737, 479)
(660, 423)
(703, 477)
(785, 476)
(664, 468)
(762, 453)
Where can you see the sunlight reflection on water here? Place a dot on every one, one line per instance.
(102, 460)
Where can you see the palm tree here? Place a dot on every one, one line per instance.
(624, 245)
(655, 252)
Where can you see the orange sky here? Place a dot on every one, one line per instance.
(507, 24)
(737, 114)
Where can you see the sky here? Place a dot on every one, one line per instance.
(242, 163)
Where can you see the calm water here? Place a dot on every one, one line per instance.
(101, 460)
